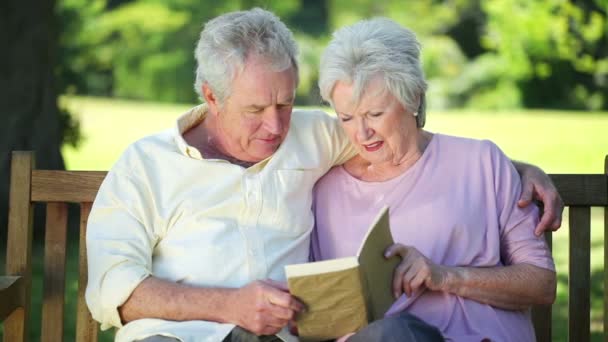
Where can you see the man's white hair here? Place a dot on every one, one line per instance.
(226, 42)
(376, 48)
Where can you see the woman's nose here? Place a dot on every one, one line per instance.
(364, 132)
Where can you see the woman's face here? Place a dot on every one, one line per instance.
(377, 124)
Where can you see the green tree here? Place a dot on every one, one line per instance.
(144, 49)
(31, 117)
(550, 53)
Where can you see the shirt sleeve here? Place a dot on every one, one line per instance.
(331, 139)
(120, 240)
(342, 149)
(518, 244)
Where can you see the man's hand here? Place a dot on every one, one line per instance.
(536, 185)
(415, 272)
(264, 307)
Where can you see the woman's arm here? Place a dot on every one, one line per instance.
(512, 287)
(527, 277)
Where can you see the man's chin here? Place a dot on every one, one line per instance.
(266, 154)
(261, 154)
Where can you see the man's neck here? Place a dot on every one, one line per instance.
(203, 138)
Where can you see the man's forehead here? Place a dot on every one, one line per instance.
(263, 85)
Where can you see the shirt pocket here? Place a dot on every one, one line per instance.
(293, 200)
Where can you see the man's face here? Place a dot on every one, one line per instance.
(254, 120)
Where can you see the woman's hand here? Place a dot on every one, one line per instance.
(415, 272)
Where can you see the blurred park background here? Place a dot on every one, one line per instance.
(81, 79)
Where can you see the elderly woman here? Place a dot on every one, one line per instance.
(471, 264)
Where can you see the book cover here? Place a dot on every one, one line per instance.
(344, 295)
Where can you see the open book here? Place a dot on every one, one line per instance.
(344, 295)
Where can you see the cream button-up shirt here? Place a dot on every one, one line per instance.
(165, 211)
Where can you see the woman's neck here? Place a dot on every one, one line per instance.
(378, 172)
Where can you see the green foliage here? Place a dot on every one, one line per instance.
(70, 128)
(480, 54)
(144, 49)
(535, 36)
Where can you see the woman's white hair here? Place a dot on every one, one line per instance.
(226, 42)
(376, 48)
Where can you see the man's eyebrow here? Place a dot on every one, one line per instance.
(287, 101)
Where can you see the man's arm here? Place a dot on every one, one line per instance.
(513, 287)
(120, 242)
(536, 185)
(262, 307)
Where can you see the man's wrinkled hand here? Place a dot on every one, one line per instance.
(536, 185)
(264, 307)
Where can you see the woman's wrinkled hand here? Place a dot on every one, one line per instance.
(415, 272)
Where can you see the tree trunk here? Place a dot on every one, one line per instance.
(28, 97)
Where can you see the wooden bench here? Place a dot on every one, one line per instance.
(57, 188)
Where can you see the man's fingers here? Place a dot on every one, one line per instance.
(559, 212)
(274, 316)
(277, 284)
(284, 299)
(556, 223)
(545, 222)
(275, 322)
(526, 195)
(281, 312)
(264, 323)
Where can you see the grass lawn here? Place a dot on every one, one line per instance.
(559, 142)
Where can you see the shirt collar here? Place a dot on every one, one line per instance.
(186, 121)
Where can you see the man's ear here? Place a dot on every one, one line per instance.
(210, 99)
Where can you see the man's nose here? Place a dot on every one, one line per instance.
(273, 122)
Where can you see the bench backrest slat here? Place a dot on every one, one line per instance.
(55, 243)
(582, 189)
(579, 278)
(19, 244)
(541, 314)
(65, 186)
(86, 327)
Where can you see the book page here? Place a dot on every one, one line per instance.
(317, 267)
(377, 270)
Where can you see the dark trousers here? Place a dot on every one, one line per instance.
(401, 328)
(239, 334)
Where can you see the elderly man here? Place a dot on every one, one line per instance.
(191, 228)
